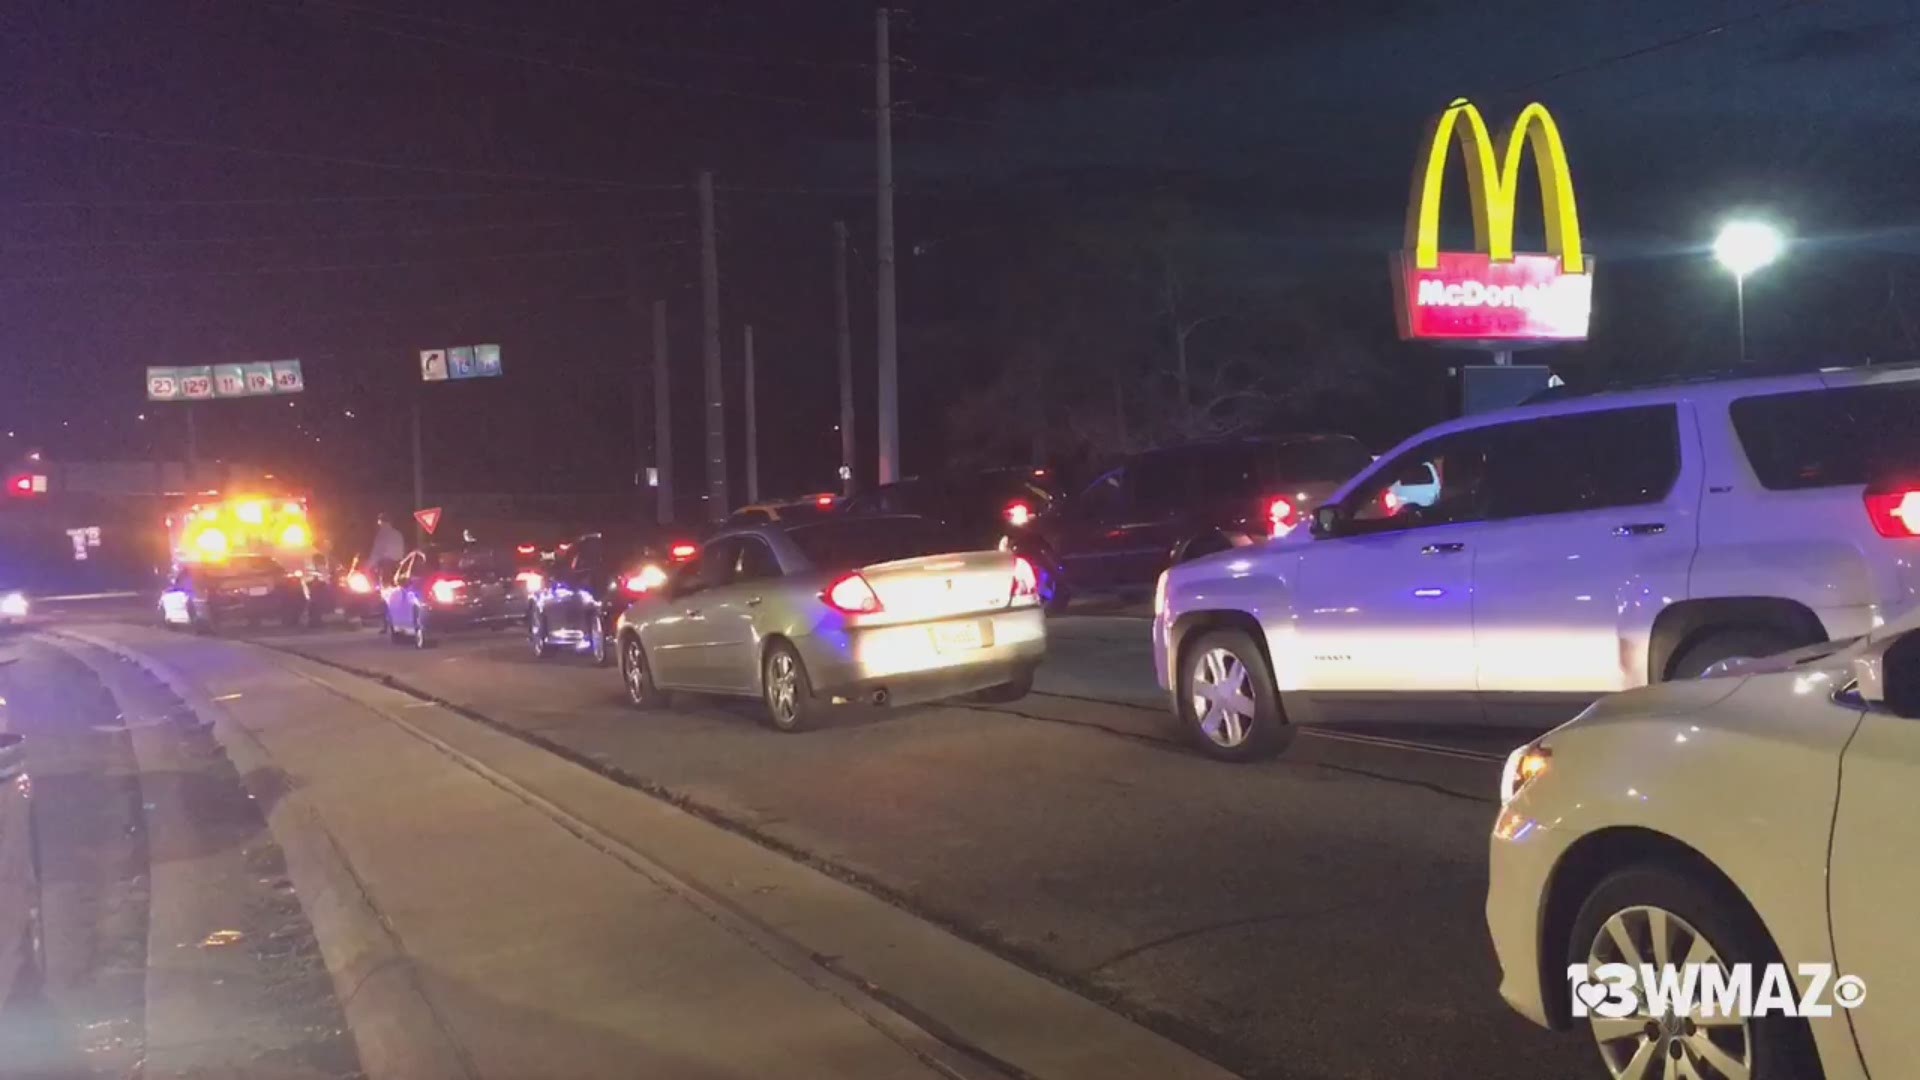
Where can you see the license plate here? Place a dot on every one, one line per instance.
(260, 590)
(958, 637)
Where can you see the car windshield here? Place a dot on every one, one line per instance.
(1792, 441)
(843, 544)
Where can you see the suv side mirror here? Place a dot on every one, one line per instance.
(1328, 520)
(1891, 676)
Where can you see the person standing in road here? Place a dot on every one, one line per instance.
(389, 547)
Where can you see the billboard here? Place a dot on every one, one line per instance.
(1492, 295)
(460, 362)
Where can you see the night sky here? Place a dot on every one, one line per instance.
(208, 181)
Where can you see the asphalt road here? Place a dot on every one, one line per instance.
(1315, 916)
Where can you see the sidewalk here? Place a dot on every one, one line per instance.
(488, 909)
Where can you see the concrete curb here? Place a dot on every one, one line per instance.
(395, 1027)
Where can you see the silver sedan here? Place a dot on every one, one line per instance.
(868, 609)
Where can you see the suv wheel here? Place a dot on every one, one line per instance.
(1227, 699)
(1652, 914)
(1730, 643)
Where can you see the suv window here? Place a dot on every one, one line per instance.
(1440, 482)
(1823, 438)
(1105, 498)
(1583, 461)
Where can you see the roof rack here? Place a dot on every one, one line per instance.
(1715, 375)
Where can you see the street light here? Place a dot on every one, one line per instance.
(1744, 247)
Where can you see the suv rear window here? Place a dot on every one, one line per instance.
(1824, 438)
(843, 543)
(474, 560)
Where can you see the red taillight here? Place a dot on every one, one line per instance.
(526, 549)
(1896, 512)
(1025, 581)
(823, 501)
(683, 551)
(644, 580)
(852, 595)
(359, 583)
(1281, 517)
(533, 580)
(1018, 514)
(446, 590)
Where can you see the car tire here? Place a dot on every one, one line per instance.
(1231, 659)
(1730, 643)
(1690, 906)
(420, 638)
(537, 635)
(1010, 691)
(597, 650)
(785, 689)
(642, 692)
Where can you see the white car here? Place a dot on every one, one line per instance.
(1557, 552)
(1765, 815)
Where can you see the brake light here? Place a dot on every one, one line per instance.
(533, 580)
(21, 485)
(359, 583)
(1018, 514)
(683, 551)
(1895, 513)
(852, 595)
(1026, 583)
(823, 501)
(1281, 517)
(644, 580)
(1389, 501)
(446, 590)
(294, 535)
(526, 549)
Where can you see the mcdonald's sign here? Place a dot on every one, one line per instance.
(1493, 294)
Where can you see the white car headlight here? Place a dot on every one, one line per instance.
(1525, 765)
(13, 605)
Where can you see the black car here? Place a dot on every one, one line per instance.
(242, 588)
(1180, 502)
(978, 508)
(452, 588)
(577, 599)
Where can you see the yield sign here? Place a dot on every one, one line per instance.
(429, 519)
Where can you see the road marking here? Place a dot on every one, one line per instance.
(1403, 744)
(127, 595)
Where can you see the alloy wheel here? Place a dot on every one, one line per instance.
(634, 666)
(1644, 1046)
(783, 687)
(1223, 697)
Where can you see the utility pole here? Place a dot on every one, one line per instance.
(717, 505)
(887, 339)
(662, 418)
(843, 335)
(753, 430)
(419, 469)
(193, 447)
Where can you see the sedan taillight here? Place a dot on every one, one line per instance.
(1026, 583)
(851, 594)
(445, 590)
(1282, 516)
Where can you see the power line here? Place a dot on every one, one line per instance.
(1657, 46)
(327, 159)
(296, 200)
(251, 238)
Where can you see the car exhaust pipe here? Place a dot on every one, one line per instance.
(878, 697)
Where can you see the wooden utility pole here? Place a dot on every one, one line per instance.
(843, 336)
(717, 503)
(662, 419)
(753, 431)
(887, 338)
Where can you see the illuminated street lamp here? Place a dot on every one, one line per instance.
(1744, 247)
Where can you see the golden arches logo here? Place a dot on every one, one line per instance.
(1493, 186)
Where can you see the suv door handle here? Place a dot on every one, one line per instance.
(1442, 549)
(1640, 528)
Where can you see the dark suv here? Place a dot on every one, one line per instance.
(978, 508)
(1168, 505)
